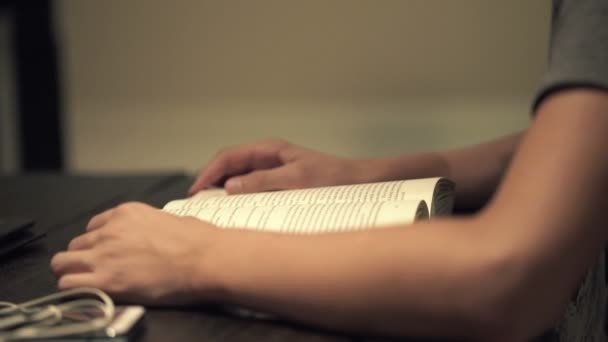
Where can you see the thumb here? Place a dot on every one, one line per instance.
(257, 181)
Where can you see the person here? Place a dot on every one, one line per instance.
(505, 272)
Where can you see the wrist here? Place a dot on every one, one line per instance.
(412, 166)
(227, 266)
(373, 170)
(208, 274)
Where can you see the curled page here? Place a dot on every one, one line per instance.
(310, 218)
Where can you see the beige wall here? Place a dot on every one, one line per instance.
(157, 84)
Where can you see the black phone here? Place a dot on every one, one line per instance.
(11, 227)
(16, 233)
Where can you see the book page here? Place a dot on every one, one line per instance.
(310, 218)
(417, 189)
(208, 193)
(437, 192)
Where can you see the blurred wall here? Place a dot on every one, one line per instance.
(155, 85)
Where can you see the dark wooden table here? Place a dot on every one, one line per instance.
(62, 205)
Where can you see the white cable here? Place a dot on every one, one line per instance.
(6, 307)
(39, 318)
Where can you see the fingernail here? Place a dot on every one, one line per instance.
(234, 185)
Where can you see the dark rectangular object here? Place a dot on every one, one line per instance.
(11, 227)
(15, 233)
(37, 84)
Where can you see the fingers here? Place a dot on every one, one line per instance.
(73, 280)
(84, 241)
(266, 180)
(99, 220)
(238, 160)
(71, 262)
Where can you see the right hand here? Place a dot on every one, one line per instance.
(276, 165)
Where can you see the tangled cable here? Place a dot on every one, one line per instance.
(56, 315)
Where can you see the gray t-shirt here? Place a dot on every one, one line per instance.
(578, 53)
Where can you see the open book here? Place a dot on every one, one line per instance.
(320, 210)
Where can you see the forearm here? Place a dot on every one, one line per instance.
(423, 281)
(554, 197)
(477, 170)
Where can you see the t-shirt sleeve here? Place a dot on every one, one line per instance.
(578, 53)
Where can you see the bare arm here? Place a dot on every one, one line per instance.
(477, 170)
(506, 272)
(276, 165)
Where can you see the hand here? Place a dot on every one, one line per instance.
(138, 253)
(276, 165)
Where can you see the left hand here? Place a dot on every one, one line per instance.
(138, 253)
